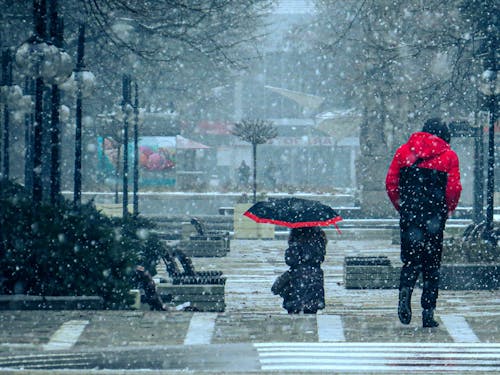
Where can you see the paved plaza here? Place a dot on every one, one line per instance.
(357, 332)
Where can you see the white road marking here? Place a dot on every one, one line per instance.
(330, 328)
(385, 357)
(67, 335)
(201, 329)
(458, 328)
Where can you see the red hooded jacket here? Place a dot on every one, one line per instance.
(434, 153)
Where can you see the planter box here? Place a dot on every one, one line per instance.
(200, 297)
(245, 228)
(26, 302)
(370, 273)
(378, 273)
(471, 276)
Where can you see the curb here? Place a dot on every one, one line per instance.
(27, 302)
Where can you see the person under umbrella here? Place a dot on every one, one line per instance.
(302, 286)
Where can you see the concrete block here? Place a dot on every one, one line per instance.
(200, 297)
(207, 289)
(136, 293)
(371, 277)
(245, 228)
(365, 273)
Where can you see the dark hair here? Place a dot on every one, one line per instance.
(308, 234)
(437, 127)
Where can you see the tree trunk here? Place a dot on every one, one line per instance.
(254, 152)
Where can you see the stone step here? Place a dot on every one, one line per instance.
(173, 227)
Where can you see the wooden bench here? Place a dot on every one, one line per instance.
(202, 290)
(205, 243)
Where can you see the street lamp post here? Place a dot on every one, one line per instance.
(120, 118)
(6, 83)
(491, 91)
(46, 63)
(77, 186)
(126, 111)
(56, 35)
(81, 85)
(40, 11)
(14, 103)
(136, 150)
(478, 175)
(28, 138)
(490, 88)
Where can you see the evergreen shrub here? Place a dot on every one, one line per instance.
(55, 250)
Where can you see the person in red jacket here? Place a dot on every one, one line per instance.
(423, 184)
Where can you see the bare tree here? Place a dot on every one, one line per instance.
(179, 48)
(398, 61)
(256, 132)
(405, 59)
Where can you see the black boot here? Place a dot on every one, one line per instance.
(428, 319)
(404, 306)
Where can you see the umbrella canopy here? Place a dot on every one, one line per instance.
(293, 213)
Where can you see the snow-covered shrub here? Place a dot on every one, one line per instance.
(57, 250)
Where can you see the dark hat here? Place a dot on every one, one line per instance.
(437, 127)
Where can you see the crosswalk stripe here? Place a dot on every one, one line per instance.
(458, 328)
(363, 355)
(201, 328)
(382, 368)
(330, 328)
(377, 346)
(67, 335)
(387, 357)
(383, 361)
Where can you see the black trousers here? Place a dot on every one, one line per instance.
(421, 251)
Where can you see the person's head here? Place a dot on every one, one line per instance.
(437, 127)
(314, 235)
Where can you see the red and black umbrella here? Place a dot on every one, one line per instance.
(293, 213)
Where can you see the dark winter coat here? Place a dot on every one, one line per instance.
(306, 290)
(424, 176)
